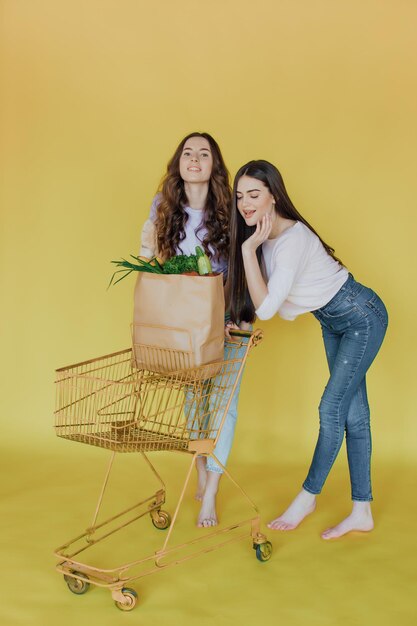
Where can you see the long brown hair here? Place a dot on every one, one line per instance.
(241, 305)
(171, 216)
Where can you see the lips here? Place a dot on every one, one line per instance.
(194, 169)
(248, 214)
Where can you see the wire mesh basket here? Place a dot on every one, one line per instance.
(110, 403)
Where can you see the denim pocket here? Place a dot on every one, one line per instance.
(336, 311)
(377, 307)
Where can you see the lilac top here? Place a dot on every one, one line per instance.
(193, 235)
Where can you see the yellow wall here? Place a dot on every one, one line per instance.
(95, 97)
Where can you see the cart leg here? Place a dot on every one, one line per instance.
(152, 467)
(187, 480)
(161, 498)
(225, 470)
(103, 489)
(259, 538)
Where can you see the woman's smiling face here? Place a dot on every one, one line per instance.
(196, 161)
(254, 200)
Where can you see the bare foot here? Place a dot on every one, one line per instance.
(202, 477)
(300, 507)
(359, 520)
(208, 516)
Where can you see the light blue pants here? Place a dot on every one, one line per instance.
(216, 400)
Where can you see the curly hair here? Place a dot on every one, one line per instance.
(171, 217)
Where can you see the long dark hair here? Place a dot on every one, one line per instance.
(171, 217)
(241, 305)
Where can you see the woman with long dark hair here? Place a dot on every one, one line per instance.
(279, 264)
(192, 208)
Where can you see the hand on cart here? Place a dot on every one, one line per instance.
(232, 330)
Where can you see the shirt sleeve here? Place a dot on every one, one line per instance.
(286, 261)
(154, 205)
(279, 286)
(148, 234)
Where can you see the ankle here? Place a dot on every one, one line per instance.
(308, 498)
(212, 484)
(361, 508)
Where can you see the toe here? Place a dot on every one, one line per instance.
(273, 523)
(281, 525)
(330, 533)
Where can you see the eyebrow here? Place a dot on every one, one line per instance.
(199, 150)
(248, 190)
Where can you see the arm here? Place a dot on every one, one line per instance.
(258, 290)
(268, 298)
(148, 240)
(148, 247)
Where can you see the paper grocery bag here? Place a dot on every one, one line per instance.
(178, 322)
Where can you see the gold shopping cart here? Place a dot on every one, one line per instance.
(111, 403)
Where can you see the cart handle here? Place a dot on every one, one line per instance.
(255, 336)
(240, 333)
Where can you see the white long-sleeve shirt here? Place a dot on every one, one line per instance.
(301, 275)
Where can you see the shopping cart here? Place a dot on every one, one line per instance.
(111, 403)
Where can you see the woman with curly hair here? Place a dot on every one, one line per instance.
(192, 209)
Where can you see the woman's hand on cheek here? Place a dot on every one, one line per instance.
(261, 234)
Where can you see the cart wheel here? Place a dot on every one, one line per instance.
(131, 598)
(76, 585)
(264, 551)
(162, 521)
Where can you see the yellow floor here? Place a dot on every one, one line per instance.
(358, 580)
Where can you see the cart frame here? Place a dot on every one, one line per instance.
(83, 395)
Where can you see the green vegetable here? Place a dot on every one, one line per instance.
(152, 267)
(204, 265)
(180, 264)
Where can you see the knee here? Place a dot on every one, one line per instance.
(328, 412)
(358, 422)
(331, 424)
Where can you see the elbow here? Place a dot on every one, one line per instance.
(267, 309)
(265, 315)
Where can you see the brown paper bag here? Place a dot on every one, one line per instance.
(178, 321)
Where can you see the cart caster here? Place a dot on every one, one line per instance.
(77, 585)
(131, 598)
(161, 519)
(263, 551)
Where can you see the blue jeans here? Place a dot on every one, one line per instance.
(215, 403)
(353, 323)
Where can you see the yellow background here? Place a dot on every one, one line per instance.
(96, 94)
